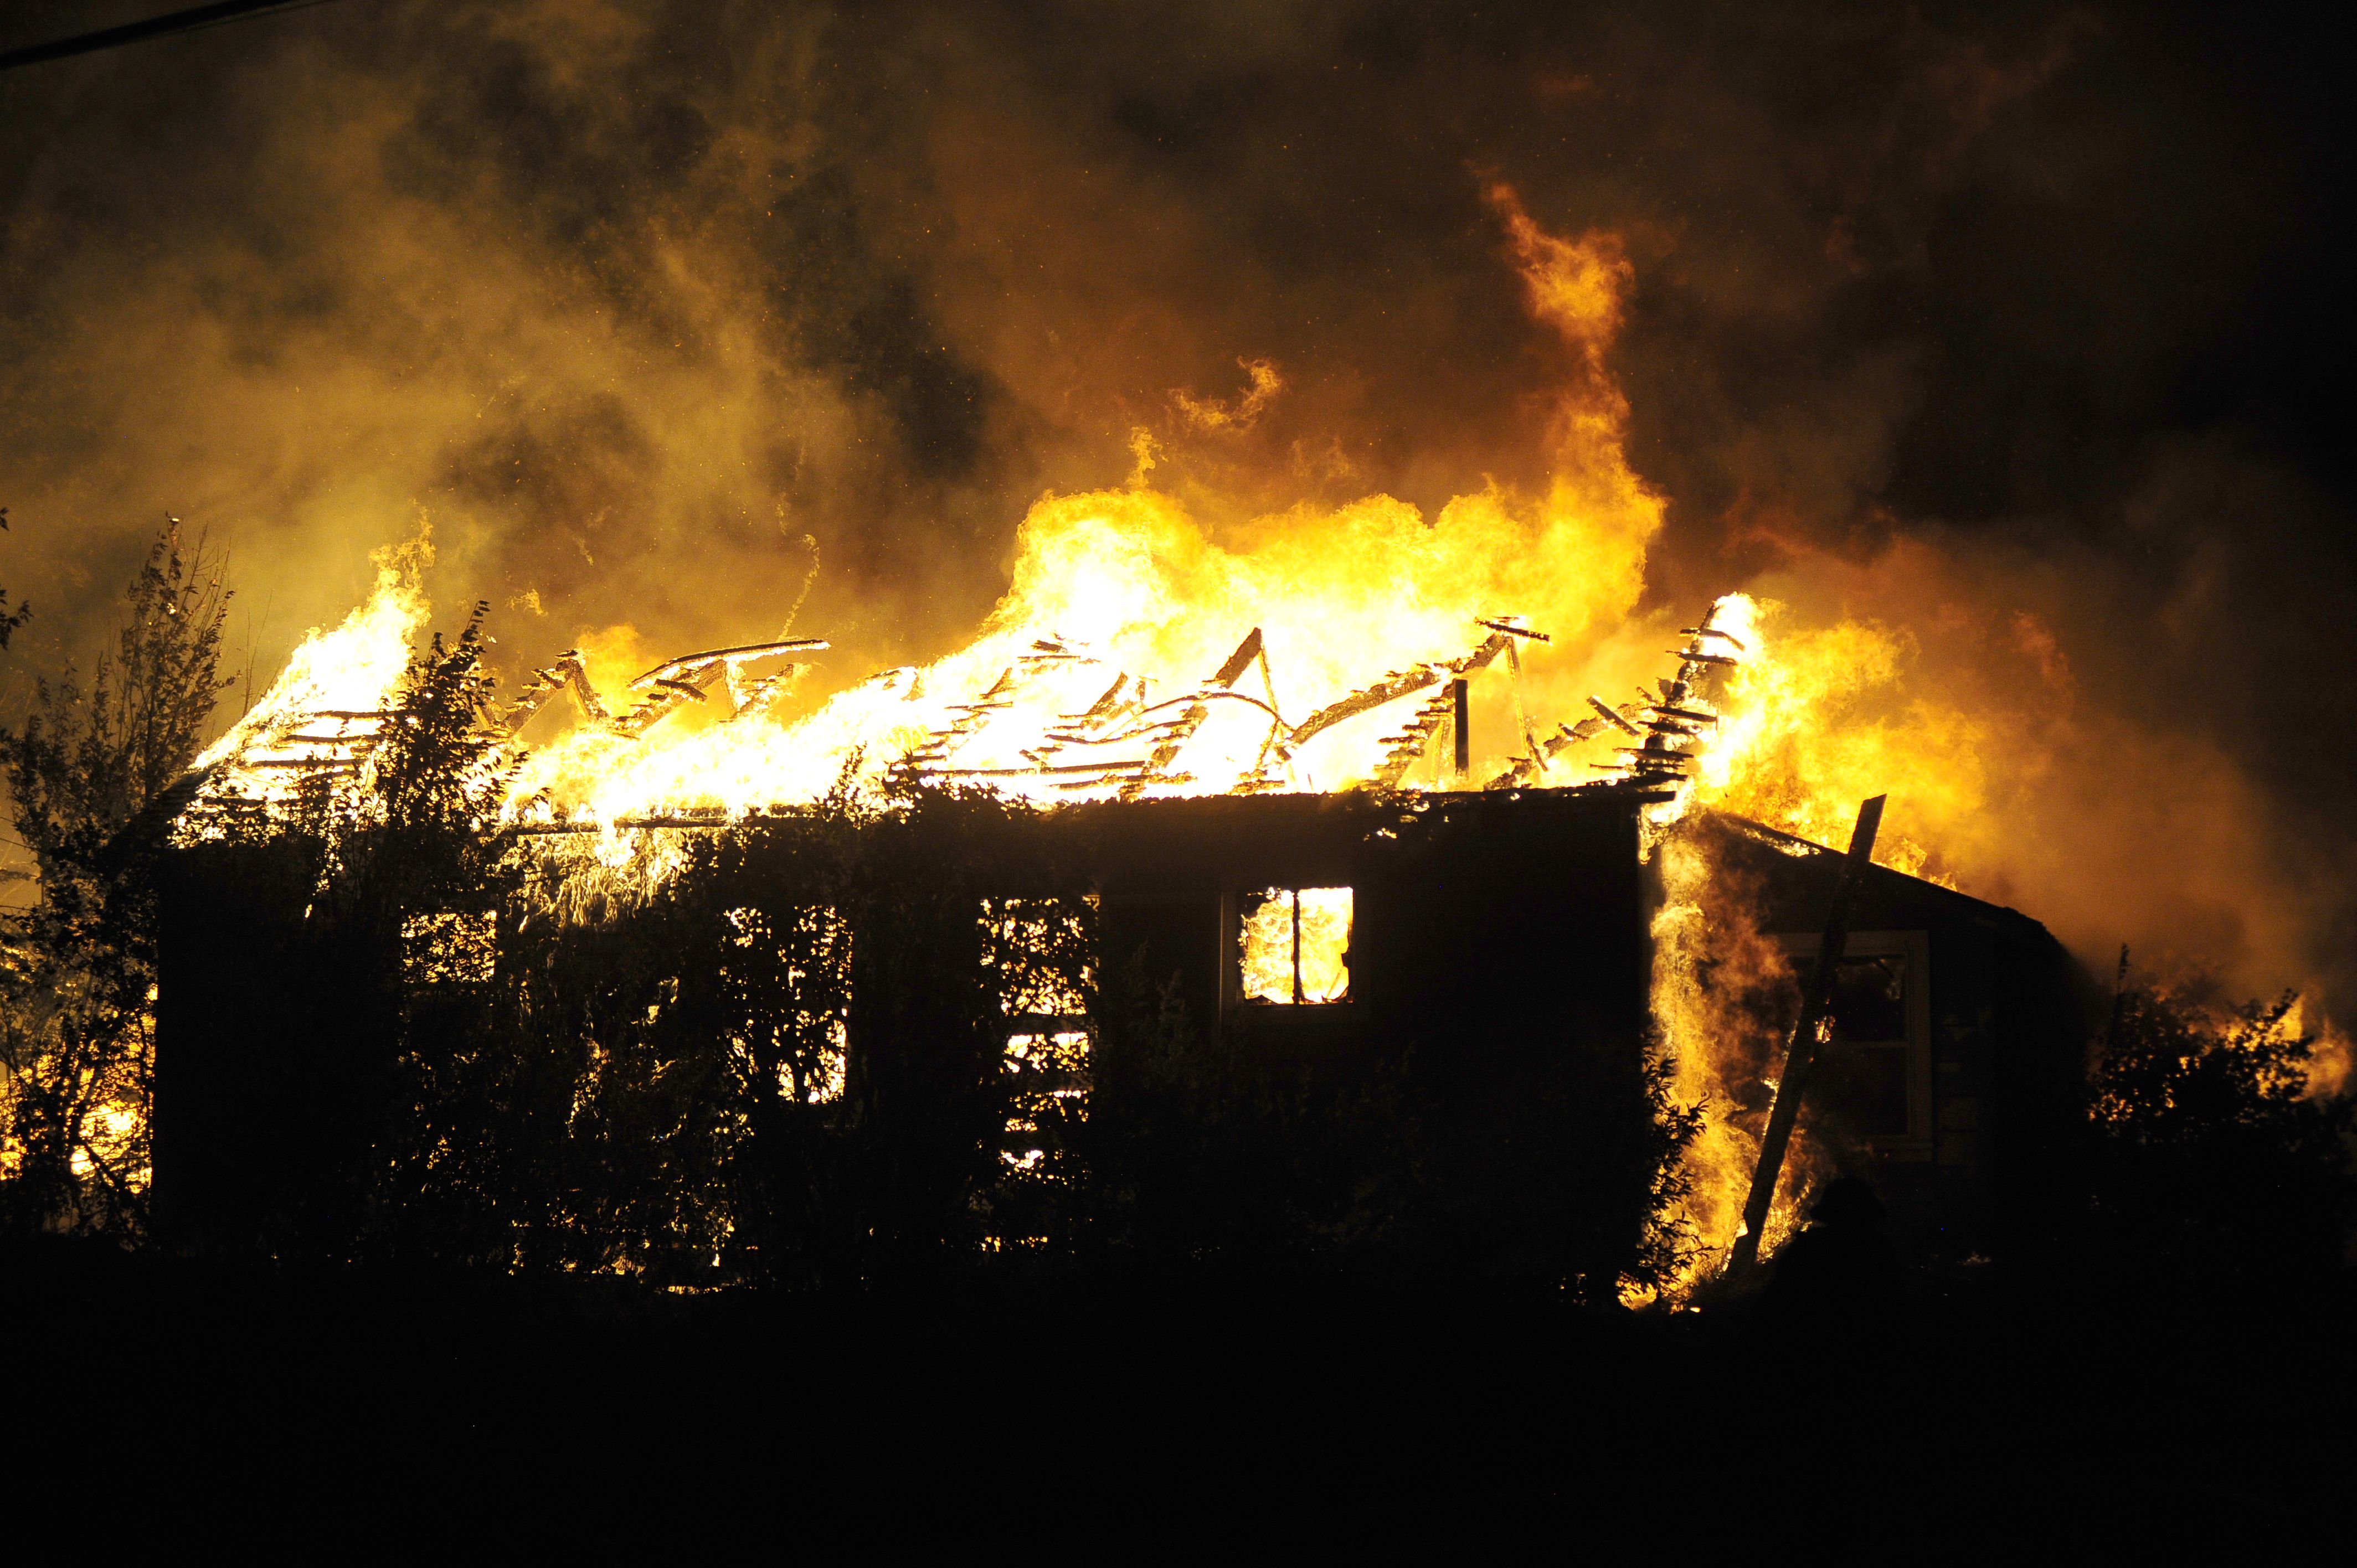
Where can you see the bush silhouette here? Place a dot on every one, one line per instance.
(2211, 1164)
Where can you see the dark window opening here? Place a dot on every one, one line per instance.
(1862, 1076)
(1869, 1001)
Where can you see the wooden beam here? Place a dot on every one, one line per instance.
(1801, 1053)
(1460, 692)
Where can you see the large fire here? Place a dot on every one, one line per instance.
(1139, 653)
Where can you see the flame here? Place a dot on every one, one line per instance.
(1122, 599)
(1714, 972)
(2331, 1057)
(334, 682)
(1125, 584)
(1801, 746)
(1296, 935)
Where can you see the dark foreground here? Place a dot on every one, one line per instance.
(997, 1409)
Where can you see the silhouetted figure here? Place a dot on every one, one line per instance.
(1841, 1274)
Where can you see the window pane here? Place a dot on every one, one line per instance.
(1865, 1087)
(1869, 1000)
(1267, 954)
(1325, 943)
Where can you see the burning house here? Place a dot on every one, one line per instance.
(1337, 794)
(1359, 888)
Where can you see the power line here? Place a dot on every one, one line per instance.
(152, 27)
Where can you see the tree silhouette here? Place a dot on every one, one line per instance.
(88, 777)
(10, 619)
(405, 1056)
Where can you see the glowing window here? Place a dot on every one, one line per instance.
(1034, 954)
(1296, 945)
(786, 974)
(1047, 1090)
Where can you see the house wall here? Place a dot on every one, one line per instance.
(2005, 1012)
(266, 1046)
(1489, 931)
(1484, 920)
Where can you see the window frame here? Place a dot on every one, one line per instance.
(1233, 914)
(1915, 946)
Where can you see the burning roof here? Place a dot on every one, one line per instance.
(1059, 720)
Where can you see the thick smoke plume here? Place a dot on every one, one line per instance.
(1990, 342)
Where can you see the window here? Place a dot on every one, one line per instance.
(1048, 1091)
(785, 975)
(1036, 955)
(1873, 1076)
(1863, 1074)
(1294, 947)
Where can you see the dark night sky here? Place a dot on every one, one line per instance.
(1963, 317)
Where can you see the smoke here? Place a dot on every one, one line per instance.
(2000, 334)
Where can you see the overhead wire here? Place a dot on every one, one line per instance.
(185, 21)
